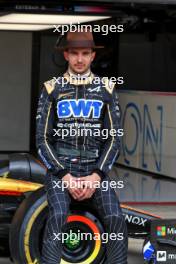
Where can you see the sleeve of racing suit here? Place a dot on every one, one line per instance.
(111, 148)
(44, 134)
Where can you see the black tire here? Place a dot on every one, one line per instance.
(27, 230)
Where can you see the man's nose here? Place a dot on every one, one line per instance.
(79, 58)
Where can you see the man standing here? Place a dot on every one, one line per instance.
(74, 102)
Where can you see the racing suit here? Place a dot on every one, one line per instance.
(77, 106)
(86, 106)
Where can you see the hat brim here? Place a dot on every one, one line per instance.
(62, 48)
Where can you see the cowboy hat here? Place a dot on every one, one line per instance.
(79, 40)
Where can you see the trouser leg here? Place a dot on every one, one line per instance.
(58, 204)
(108, 207)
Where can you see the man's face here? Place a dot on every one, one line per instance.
(79, 59)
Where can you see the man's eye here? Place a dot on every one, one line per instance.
(73, 53)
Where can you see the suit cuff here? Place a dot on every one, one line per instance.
(100, 173)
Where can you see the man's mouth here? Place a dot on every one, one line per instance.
(79, 66)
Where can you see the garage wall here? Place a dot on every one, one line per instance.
(148, 65)
(15, 85)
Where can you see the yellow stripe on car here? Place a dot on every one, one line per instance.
(7, 184)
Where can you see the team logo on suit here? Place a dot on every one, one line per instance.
(79, 108)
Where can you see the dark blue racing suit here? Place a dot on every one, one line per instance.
(88, 107)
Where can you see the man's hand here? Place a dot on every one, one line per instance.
(87, 185)
(72, 183)
(90, 186)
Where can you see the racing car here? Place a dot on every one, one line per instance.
(23, 215)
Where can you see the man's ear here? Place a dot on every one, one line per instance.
(65, 55)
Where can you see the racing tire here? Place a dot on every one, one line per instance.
(27, 229)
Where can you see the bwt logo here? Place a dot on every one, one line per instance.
(79, 108)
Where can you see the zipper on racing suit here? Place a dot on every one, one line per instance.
(76, 120)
